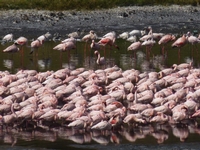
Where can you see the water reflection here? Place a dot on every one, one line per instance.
(83, 56)
(137, 134)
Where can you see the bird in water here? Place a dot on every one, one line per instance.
(7, 38)
(193, 40)
(35, 45)
(166, 39)
(11, 49)
(180, 42)
(100, 60)
(134, 46)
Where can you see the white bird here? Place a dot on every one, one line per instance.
(44, 37)
(138, 33)
(124, 35)
(132, 38)
(7, 38)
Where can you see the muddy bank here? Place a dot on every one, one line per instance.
(162, 18)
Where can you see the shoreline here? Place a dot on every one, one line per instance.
(31, 23)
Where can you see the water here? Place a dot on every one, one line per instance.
(145, 137)
(49, 59)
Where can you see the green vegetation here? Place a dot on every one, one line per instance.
(86, 4)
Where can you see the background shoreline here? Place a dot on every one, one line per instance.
(165, 19)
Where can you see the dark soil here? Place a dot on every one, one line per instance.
(32, 23)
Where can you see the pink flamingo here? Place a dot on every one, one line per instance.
(134, 46)
(35, 45)
(193, 40)
(11, 49)
(22, 41)
(67, 46)
(166, 39)
(100, 60)
(180, 42)
(149, 44)
(94, 45)
(89, 37)
(109, 39)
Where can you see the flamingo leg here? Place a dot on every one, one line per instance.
(163, 50)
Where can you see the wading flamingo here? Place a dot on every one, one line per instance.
(193, 40)
(35, 45)
(180, 42)
(109, 39)
(22, 41)
(100, 60)
(134, 46)
(166, 39)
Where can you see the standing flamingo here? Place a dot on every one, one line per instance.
(180, 42)
(22, 41)
(193, 40)
(63, 47)
(94, 45)
(166, 39)
(89, 37)
(35, 45)
(109, 39)
(134, 46)
(100, 60)
(149, 44)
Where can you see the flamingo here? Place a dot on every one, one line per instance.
(100, 60)
(70, 39)
(44, 37)
(180, 42)
(11, 49)
(89, 37)
(67, 46)
(109, 39)
(124, 35)
(35, 45)
(134, 46)
(22, 41)
(149, 44)
(75, 34)
(132, 38)
(166, 39)
(193, 40)
(137, 33)
(7, 38)
(95, 45)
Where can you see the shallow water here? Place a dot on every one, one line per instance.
(83, 56)
(146, 137)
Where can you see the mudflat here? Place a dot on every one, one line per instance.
(167, 19)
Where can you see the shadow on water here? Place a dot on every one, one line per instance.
(135, 137)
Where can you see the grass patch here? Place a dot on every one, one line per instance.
(86, 4)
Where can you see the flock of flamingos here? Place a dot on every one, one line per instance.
(103, 99)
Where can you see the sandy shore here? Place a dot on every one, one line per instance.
(165, 19)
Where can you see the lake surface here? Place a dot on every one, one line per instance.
(146, 137)
(83, 56)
